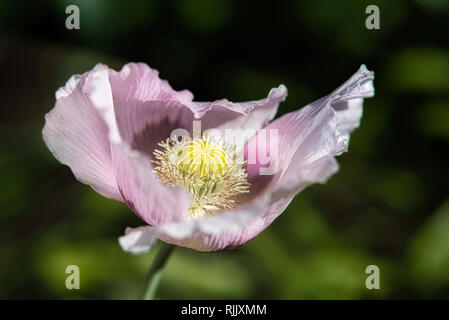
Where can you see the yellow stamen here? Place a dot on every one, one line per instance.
(213, 172)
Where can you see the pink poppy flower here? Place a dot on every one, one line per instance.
(119, 133)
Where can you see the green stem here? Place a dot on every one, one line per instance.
(155, 273)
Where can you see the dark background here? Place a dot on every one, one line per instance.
(388, 205)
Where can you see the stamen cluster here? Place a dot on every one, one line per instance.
(211, 170)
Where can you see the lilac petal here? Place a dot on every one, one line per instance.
(148, 110)
(310, 137)
(145, 124)
(329, 121)
(138, 240)
(148, 198)
(78, 137)
(140, 82)
(249, 116)
(309, 140)
(226, 230)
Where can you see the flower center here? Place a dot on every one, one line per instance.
(201, 158)
(212, 171)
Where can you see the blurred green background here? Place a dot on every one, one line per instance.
(388, 205)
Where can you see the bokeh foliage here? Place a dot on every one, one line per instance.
(388, 205)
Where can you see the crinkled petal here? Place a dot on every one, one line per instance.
(309, 139)
(138, 240)
(78, 137)
(238, 122)
(140, 82)
(330, 120)
(147, 197)
(227, 230)
(148, 110)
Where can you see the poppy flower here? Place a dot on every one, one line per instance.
(203, 175)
